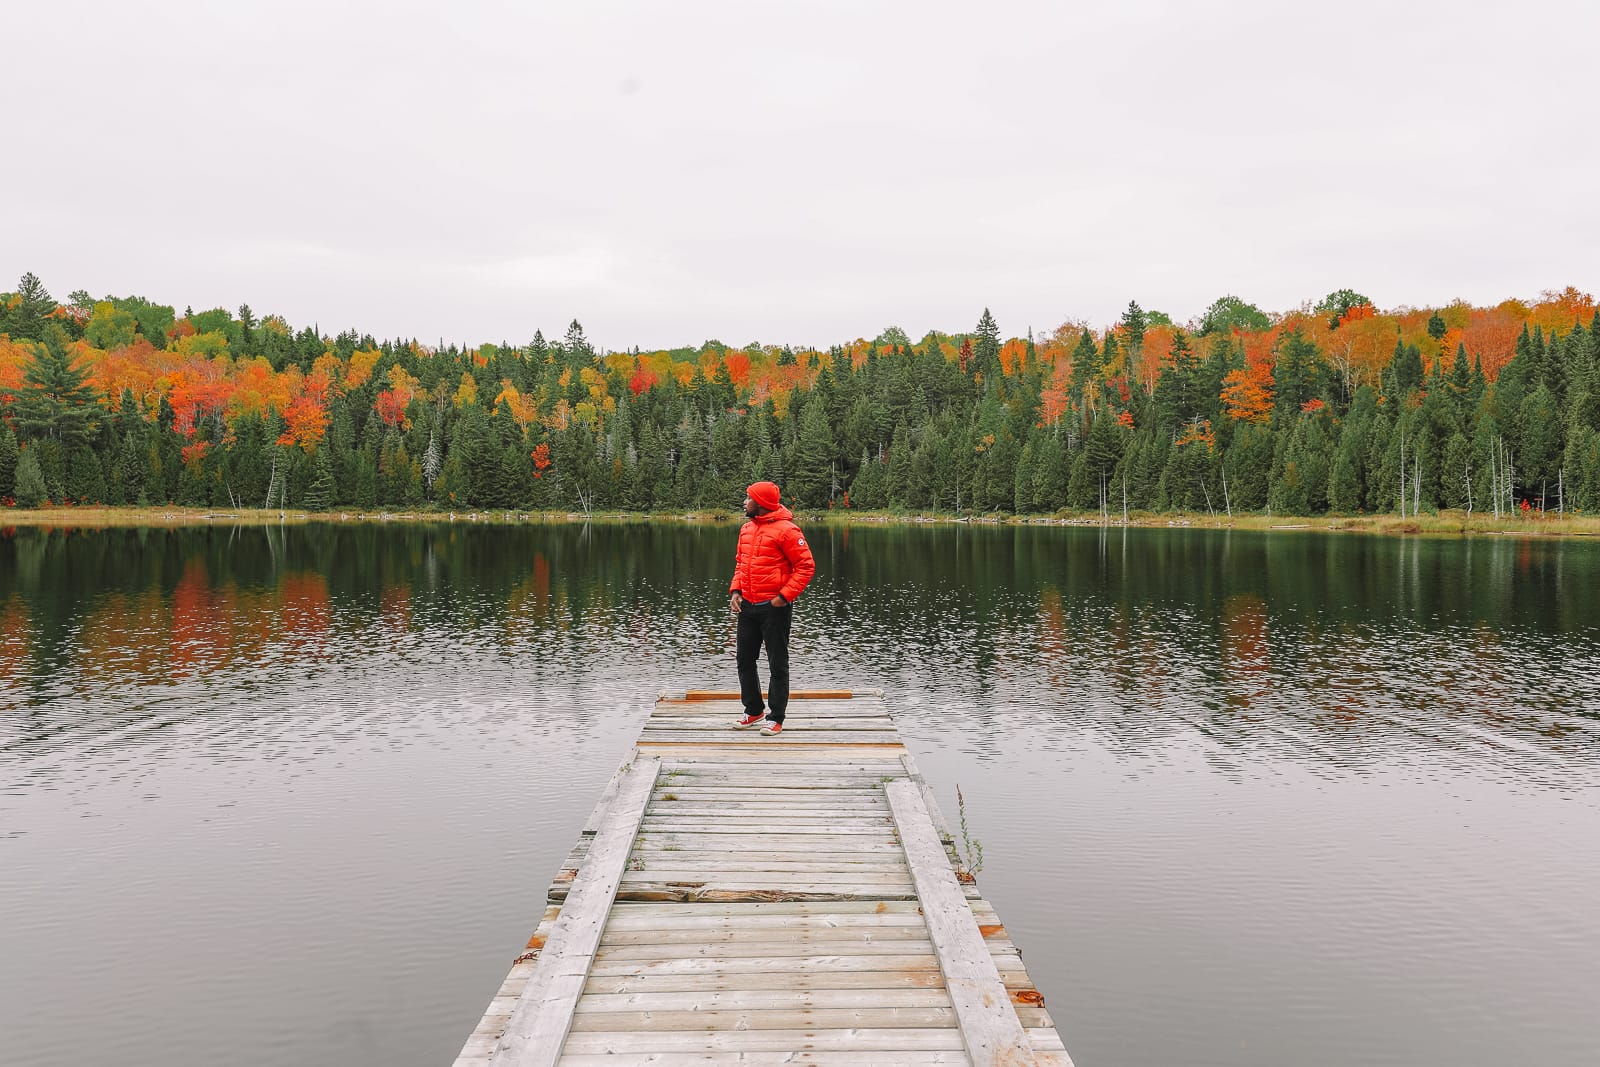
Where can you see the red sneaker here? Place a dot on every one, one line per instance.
(772, 729)
(749, 721)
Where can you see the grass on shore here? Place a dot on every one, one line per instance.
(1443, 523)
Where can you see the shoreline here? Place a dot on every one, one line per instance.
(1441, 524)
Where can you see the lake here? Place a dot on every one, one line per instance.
(294, 794)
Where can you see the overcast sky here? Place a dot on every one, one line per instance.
(801, 172)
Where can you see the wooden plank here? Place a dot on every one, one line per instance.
(592, 825)
(882, 842)
(543, 1014)
(644, 912)
(692, 695)
(819, 1018)
(795, 724)
(796, 745)
(907, 978)
(753, 799)
(776, 863)
(736, 860)
(679, 964)
(773, 825)
(794, 935)
(844, 1040)
(989, 1024)
(928, 800)
(809, 712)
(1017, 983)
(624, 919)
(782, 774)
(673, 805)
(885, 1058)
(717, 732)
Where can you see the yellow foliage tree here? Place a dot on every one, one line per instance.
(467, 391)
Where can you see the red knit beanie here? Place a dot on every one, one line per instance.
(765, 495)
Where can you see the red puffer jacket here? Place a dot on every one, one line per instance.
(772, 558)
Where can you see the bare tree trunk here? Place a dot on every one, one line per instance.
(1561, 496)
(1494, 476)
(1402, 473)
(272, 482)
(1511, 481)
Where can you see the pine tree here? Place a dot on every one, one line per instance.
(810, 479)
(1085, 365)
(30, 489)
(1344, 480)
(868, 488)
(1455, 475)
(366, 487)
(25, 321)
(55, 400)
(432, 462)
(1249, 466)
(8, 461)
(319, 494)
(986, 346)
(1134, 323)
(85, 481)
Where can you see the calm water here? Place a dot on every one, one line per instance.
(1245, 799)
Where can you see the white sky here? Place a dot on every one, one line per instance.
(800, 172)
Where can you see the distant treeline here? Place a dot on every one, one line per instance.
(1334, 406)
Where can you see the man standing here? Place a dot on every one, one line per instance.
(771, 569)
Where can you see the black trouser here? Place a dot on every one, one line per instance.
(764, 624)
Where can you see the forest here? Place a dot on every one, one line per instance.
(1333, 407)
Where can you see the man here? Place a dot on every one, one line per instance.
(771, 569)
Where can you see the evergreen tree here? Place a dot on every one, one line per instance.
(366, 489)
(1455, 475)
(55, 400)
(1405, 370)
(1134, 324)
(986, 346)
(810, 478)
(85, 481)
(1345, 492)
(1085, 366)
(30, 487)
(1249, 467)
(320, 493)
(869, 488)
(1542, 445)
(8, 461)
(25, 319)
(1296, 378)
(1102, 451)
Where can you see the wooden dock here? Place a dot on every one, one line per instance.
(739, 899)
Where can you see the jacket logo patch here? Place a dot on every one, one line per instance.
(801, 541)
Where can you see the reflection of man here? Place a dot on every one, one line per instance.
(772, 567)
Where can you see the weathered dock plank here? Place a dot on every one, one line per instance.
(741, 899)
